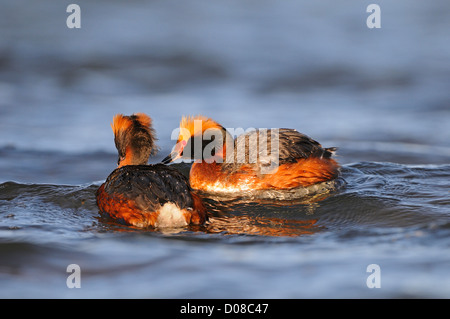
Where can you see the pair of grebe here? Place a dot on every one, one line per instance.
(158, 195)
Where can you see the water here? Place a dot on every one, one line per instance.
(381, 96)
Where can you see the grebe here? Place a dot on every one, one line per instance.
(300, 161)
(146, 195)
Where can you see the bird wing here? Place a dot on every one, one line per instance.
(150, 186)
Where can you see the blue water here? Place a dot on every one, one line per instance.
(380, 95)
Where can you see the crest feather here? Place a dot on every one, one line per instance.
(198, 124)
(122, 122)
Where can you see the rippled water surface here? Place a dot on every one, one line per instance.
(380, 96)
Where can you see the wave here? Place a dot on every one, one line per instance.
(376, 195)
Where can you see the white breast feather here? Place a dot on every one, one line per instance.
(170, 216)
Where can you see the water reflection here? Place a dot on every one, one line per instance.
(273, 213)
(262, 226)
(241, 216)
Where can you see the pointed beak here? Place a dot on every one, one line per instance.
(175, 154)
(170, 158)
